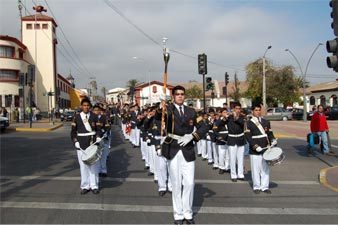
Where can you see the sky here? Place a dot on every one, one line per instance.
(232, 33)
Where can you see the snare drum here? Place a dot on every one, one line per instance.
(274, 156)
(92, 154)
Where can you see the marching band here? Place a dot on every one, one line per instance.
(219, 137)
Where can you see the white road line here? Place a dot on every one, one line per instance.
(202, 181)
(166, 209)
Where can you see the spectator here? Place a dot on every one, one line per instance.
(319, 125)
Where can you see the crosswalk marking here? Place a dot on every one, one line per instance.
(166, 209)
(112, 179)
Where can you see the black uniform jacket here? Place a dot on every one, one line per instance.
(236, 128)
(79, 127)
(175, 124)
(133, 119)
(221, 131)
(255, 137)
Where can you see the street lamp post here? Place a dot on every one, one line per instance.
(264, 78)
(304, 76)
(148, 71)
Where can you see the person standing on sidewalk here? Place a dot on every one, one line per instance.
(319, 125)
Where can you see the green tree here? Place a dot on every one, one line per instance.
(236, 95)
(194, 92)
(281, 83)
(131, 84)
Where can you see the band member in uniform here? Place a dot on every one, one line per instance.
(259, 135)
(221, 131)
(178, 148)
(236, 143)
(84, 132)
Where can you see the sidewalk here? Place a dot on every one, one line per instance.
(37, 126)
(329, 178)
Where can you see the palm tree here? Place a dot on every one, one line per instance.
(131, 84)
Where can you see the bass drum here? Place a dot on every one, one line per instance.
(92, 154)
(274, 156)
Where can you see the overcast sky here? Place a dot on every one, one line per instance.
(232, 33)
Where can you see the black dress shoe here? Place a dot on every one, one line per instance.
(155, 181)
(214, 168)
(221, 171)
(234, 180)
(84, 191)
(161, 193)
(146, 168)
(178, 221)
(210, 163)
(95, 191)
(242, 179)
(227, 171)
(150, 173)
(256, 191)
(199, 155)
(191, 221)
(103, 175)
(267, 191)
(204, 159)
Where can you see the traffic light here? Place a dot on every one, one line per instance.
(202, 64)
(334, 16)
(331, 45)
(209, 84)
(226, 78)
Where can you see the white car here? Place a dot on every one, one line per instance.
(4, 123)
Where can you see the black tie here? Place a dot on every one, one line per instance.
(181, 112)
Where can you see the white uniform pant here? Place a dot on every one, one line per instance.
(260, 172)
(224, 159)
(236, 155)
(162, 173)
(204, 148)
(89, 174)
(215, 154)
(103, 160)
(144, 151)
(151, 154)
(132, 136)
(210, 150)
(199, 147)
(136, 137)
(182, 175)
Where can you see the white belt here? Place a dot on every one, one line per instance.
(157, 137)
(133, 122)
(211, 131)
(236, 135)
(86, 134)
(223, 132)
(174, 136)
(259, 136)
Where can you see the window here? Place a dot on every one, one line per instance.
(8, 100)
(312, 100)
(323, 100)
(8, 74)
(20, 55)
(7, 51)
(45, 26)
(29, 26)
(278, 110)
(37, 26)
(270, 111)
(334, 100)
(16, 101)
(0, 100)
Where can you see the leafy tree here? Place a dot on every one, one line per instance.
(236, 95)
(194, 92)
(281, 83)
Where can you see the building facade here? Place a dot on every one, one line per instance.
(149, 93)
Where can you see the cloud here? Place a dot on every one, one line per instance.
(229, 33)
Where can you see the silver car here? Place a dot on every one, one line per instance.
(278, 114)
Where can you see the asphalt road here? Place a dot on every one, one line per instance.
(40, 184)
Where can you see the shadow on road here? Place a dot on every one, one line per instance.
(200, 194)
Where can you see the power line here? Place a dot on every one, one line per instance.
(67, 40)
(113, 7)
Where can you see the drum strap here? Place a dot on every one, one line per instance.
(258, 124)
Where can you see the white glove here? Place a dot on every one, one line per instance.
(77, 145)
(148, 141)
(274, 142)
(159, 152)
(162, 140)
(259, 149)
(183, 141)
(98, 139)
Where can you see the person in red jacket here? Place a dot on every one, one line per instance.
(319, 125)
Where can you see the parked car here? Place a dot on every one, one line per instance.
(67, 116)
(297, 114)
(4, 123)
(278, 114)
(332, 112)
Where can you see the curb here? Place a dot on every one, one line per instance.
(323, 180)
(27, 129)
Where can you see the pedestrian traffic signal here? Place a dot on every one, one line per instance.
(202, 64)
(334, 16)
(226, 78)
(209, 84)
